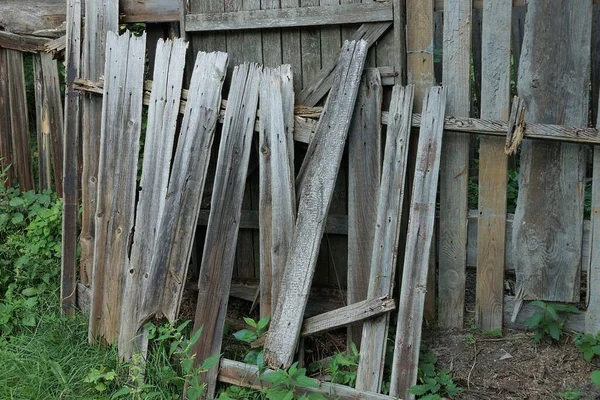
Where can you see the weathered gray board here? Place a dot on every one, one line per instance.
(387, 232)
(223, 223)
(277, 195)
(119, 148)
(554, 83)
(168, 268)
(315, 197)
(71, 160)
(419, 238)
(454, 176)
(495, 103)
(592, 320)
(163, 113)
(364, 173)
(102, 16)
(5, 136)
(43, 136)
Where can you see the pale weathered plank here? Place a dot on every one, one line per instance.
(419, 45)
(43, 136)
(6, 154)
(592, 318)
(364, 160)
(223, 224)
(387, 232)
(149, 11)
(237, 373)
(119, 148)
(19, 120)
(290, 17)
(419, 237)
(101, 17)
(350, 314)
(190, 163)
(291, 51)
(495, 102)
(454, 176)
(163, 114)
(315, 197)
(548, 227)
(71, 160)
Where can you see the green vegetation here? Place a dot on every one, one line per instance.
(570, 394)
(433, 384)
(548, 323)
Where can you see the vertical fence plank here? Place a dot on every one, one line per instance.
(70, 164)
(6, 153)
(311, 48)
(19, 120)
(548, 225)
(419, 238)
(272, 52)
(518, 29)
(387, 232)
(419, 46)
(43, 136)
(592, 315)
(595, 61)
(291, 47)
(119, 147)
(208, 41)
(364, 160)
(101, 16)
(495, 102)
(223, 223)
(455, 164)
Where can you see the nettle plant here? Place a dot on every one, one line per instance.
(433, 384)
(548, 323)
(588, 344)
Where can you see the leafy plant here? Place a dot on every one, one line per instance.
(549, 321)
(433, 384)
(343, 366)
(100, 379)
(595, 376)
(570, 394)
(588, 344)
(494, 332)
(284, 384)
(255, 331)
(469, 339)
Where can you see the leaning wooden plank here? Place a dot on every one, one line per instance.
(70, 161)
(163, 114)
(418, 242)
(119, 148)
(43, 136)
(313, 206)
(350, 314)
(290, 17)
(495, 103)
(223, 225)
(190, 163)
(240, 374)
(318, 86)
(24, 43)
(454, 176)
(19, 121)
(101, 17)
(364, 160)
(592, 320)
(548, 226)
(387, 232)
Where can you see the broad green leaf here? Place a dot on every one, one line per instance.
(263, 322)
(554, 331)
(534, 321)
(245, 335)
(28, 320)
(210, 362)
(596, 377)
(29, 292)
(305, 381)
(16, 202)
(418, 390)
(17, 218)
(196, 336)
(100, 387)
(251, 322)
(274, 377)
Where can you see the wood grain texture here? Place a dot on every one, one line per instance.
(419, 237)
(188, 174)
(24, 43)
(100, 17)
(495, 102)
(43, 138)
(419, 45)
(352, 313)
(221, 236)
(454, 175)
(207, 41)
(547, 231)
(119, 148)
(387, 231)
(592, 317)
(595, 81)
(29, 16)
(6, 153)
(364, 173)
(272, 49)
(71, 159)
(163, 114)
(19, 120)
(291, 51)
(313, 206)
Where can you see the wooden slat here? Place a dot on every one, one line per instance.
(313, 206)
(163, 114)
(240, 374)
(290, 17)
(495, 102)
(119, 148)
(317, 86)
(418, 242)
(71, 160)
(28, 16)
(291, 51)
(350, 314)
(592, 320)
(364, 160)
(387, 231)
(25, 43)
(419, 45)
(548, 223)
(454, 176)
(6, 152)
(222, 231)
(595, 81)
(178, 223)
(272, 49)
(148, 11)
(43, 137)
(101, 17)
(19, 120)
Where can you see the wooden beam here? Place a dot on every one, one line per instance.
(25, 43)
(350, 314)
(148, 11)
(290, 17)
